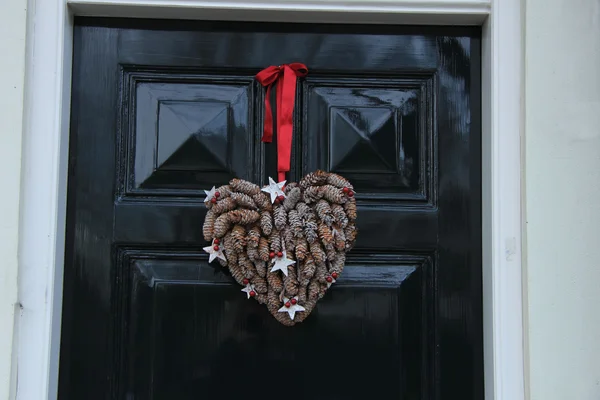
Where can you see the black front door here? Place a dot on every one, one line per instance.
(163, 110)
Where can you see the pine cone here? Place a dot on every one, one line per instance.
(247, 266)
(325, 235)
(263, 201)
(331, 253)
(302, 294)
(350, 208)
(238, 236)
(316, 178)
(253, 236)
(312, 194)
(338, 181)
(275, 241)
(339, 214)
(266, 222)
(301, 249)
(261, 268)
(228, 244)
(313, 291)
(292, 198)
(224, 205)
(208, 228)
(244, 264)
(275, 281)
(222, 225)
(236, 272)
(273, 300)
(280, 217)
(245, 187)
(322, 290)
(295, 223)
(288, 239)
(333, 194)
(252, 253)
(338, 263)
(339, 238)
(243, 200)
(261, 298)
(310, 231)
(321, 273)
(324, 212)
(263, 249)
(308, 270)
(260, 284)
(288, 188)
(291, 282)
(244, 217)
(317, 252)
(224, 191)
(350, 232)
(304, 212)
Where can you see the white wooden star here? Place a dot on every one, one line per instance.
(282, 263)
(249, 288)
(215, 251)
(330, 283)
(293, 308)
(210, 194)
(274, 189)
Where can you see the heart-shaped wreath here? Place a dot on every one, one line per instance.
(285, 244)
(286, 252)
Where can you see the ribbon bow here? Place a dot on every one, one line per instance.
(285, 77)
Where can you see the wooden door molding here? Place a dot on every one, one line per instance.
(45, 149)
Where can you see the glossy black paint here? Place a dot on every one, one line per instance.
(162, 110)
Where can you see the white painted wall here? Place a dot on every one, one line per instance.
(563, 198)
(12, 67)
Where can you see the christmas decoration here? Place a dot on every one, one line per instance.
(215, 251)
(284, 243)
(287, 252)
(275, 190)
(282, 262)
(291, 307)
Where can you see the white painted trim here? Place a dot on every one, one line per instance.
(46, 143)
(43, 198)
(455, 12)
(502, 78)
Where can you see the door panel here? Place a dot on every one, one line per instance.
(162, 110)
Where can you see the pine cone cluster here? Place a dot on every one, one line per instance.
(314, 226)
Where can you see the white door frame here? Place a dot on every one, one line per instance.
(45, 149)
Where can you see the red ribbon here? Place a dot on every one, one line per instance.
(285, 77)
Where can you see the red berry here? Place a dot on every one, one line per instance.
(294, 301)
(281, 198)
(213, 200)
(272, 254)
(216, 241)
(346, 190)
(217, 194)
(276, 201)
(287, 304)
(350, 193)
(279, 254)
(329, 279)
(216, 247)
(334, 275)
(252, 293)
(246, 281)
